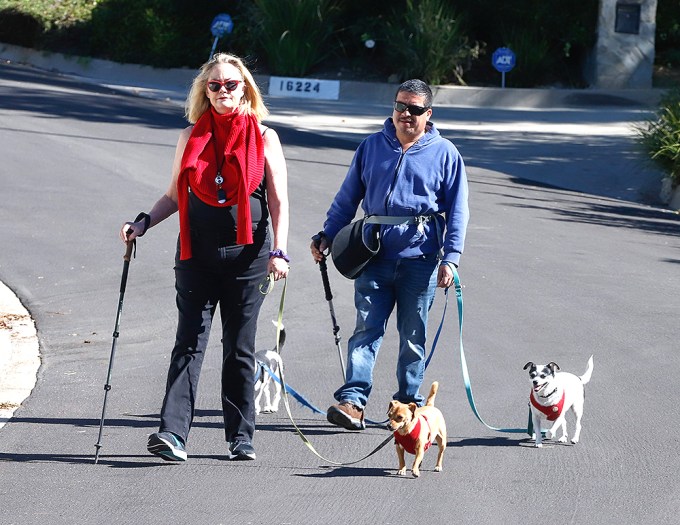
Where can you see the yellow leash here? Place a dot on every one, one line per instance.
(265, 288)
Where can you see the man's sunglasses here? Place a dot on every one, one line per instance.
(229, 85)
(400, 107)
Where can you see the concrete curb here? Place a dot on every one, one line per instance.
(670, 195)
(19, 354)
(179, 80)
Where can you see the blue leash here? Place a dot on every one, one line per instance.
(289, 389)
(463, 362)
(303, 401)
(466, 375)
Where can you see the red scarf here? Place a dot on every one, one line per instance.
(239, 146)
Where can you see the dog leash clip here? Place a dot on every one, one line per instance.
(267, 284)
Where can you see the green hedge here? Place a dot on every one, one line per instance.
(668, 33)
(440, 40)
(660, 137)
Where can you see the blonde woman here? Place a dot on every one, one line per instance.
(228, 182)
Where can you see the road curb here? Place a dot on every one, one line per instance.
(178, 80)
(19, 354)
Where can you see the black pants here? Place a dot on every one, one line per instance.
(229, 277)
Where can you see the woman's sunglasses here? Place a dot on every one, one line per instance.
(229, 85)
(400, 107)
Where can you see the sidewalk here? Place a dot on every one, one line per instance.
(19, 354)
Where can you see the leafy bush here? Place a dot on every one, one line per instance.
(294, 35)
(44, 24)
(19, 28)
(161, 33)
(668, 33)
(52, 14)
(426, 40)
(551, 39)
(661, 137)
(533, 58)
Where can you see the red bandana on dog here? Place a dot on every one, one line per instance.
(408, 441)
(552, 412)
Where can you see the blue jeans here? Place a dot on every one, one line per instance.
(410, 284)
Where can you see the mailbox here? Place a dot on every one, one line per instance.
(627, 18)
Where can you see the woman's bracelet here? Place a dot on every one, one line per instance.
(279, 253)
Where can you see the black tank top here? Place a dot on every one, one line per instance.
(221, 221)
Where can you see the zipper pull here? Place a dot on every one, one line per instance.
(421, 224)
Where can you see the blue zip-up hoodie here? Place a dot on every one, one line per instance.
(429, 178)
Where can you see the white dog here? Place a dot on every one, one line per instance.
(264, 383)
(552, 395)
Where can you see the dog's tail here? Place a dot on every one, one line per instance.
(432, 394)
(589, 371)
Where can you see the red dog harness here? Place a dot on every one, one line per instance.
(408, 441)
(552, 412)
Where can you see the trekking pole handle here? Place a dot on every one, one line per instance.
(324, 277)
(129, 247)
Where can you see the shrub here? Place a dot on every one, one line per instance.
(16, 27)
(668, 33)
(161, 33)
(294, 35)
(551, 39)
(660, 137)
(45, 24)
(427, 41)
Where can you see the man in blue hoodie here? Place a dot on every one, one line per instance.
(408, 171)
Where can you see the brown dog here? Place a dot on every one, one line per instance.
(414, 430)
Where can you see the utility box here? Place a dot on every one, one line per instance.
(623, 57)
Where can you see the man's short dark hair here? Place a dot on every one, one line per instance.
(417, 87)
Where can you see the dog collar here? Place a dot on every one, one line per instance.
(550, 394)
(552, 412)
(408, 441)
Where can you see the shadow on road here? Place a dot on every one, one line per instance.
(92, 103)
(572, 206)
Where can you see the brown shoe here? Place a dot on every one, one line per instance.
(346, 415)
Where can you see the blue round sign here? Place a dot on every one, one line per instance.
(221, 25)
(503, 59)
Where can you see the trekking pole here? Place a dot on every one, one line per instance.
(329, 297)
(107, 386)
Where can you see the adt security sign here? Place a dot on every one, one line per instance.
(221, 25)
(503, 60)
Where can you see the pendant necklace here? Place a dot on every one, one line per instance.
(219, 180)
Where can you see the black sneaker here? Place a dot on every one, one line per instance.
(167, 446)
(241, 450)
(346, 415)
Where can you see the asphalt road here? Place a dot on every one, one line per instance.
(549, 274)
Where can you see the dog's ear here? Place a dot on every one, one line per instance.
(412, 407)
(391, 406)
(530, 363)
(553, 366)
